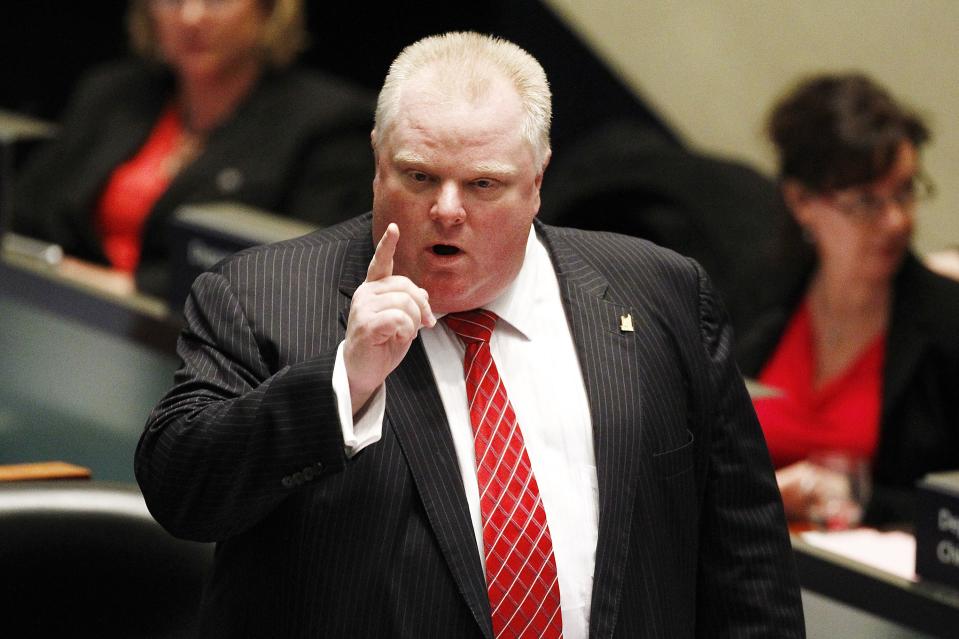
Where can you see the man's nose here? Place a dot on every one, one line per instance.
(448, 207)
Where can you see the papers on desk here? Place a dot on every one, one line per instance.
(758, 390)
(15, 126)
(31, 249)
(893, 552)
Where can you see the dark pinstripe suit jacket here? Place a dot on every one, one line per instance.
(246, 450)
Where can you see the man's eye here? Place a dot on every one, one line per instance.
(484, 183)
(418, 176)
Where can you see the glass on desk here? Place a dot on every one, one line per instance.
(847, 484)
(829, 489)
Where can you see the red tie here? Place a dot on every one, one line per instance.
(520, 567)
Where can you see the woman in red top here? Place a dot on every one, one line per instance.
(851, 179)
(210, 110)
(214, 50)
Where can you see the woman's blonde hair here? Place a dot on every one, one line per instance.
(284, 32)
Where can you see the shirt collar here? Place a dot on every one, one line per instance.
(518, 304)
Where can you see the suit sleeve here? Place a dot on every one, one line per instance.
(232, 439)
(747, 584)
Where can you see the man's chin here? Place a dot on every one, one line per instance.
(444, 307)
(446, 301)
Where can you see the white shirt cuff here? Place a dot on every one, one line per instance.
(367, 428)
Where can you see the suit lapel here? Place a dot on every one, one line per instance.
(608, 357)
(415, 413)
(908, 338)
(904, 349)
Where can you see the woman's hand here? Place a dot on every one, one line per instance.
(819, 495)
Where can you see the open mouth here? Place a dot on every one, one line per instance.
(445, 249)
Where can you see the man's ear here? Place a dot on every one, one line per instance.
(542, 169)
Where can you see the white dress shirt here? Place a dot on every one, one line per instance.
(536, 358)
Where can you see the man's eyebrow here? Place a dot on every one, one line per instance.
(408, 157)
(500, 169)
(490, 168)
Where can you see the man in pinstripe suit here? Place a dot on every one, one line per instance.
(319, 432)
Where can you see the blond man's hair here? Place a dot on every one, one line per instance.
(464, 64)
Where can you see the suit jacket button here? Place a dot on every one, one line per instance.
(318, 466)
(309, 473)
(297, 478)
(287, 482)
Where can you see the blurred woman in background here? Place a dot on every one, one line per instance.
(209, 110)
(861, 349)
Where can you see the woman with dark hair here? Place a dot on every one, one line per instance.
(862, 350)
(209, 109)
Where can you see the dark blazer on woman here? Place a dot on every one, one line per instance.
(297, 146)
(246, 450)
(919, 421)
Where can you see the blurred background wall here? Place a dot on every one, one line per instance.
(711, 68)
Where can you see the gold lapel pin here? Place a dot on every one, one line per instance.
(626, 323)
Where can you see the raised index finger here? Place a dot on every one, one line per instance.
(381, 265)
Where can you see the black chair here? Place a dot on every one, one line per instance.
(625, 177)
(81, 558)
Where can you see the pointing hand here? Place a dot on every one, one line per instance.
(386, 313)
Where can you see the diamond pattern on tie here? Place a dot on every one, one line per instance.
(520, 566)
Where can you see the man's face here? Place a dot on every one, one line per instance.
(462, 184)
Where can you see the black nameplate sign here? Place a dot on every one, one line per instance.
(937, 528)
